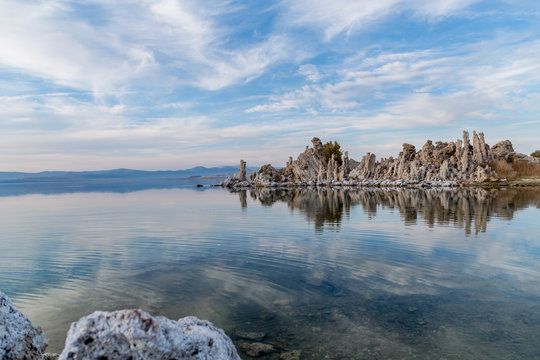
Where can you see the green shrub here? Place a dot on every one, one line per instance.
(536, 154)
(332, 148)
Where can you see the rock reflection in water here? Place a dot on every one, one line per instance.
(370, 289)
(469, 208)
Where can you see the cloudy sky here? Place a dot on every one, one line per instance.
(170, 84)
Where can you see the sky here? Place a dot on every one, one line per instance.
(172, 84)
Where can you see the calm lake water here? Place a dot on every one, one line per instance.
(337, 274)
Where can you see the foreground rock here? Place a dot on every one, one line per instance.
(19, 339)
(135, 334)
(435, 164)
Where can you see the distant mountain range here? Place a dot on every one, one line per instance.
(127, 174)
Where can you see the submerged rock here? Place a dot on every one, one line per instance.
(291, 355)
(19, 339)
(250, 335)
(135, 334)
(256, 349)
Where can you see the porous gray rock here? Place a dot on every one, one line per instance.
(135, 334)
(19, 339)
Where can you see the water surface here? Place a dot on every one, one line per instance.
(337, 274)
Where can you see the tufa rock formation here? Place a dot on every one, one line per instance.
(310, 167)
(242, 171)
(442, 163)
(502, 149)
(134, 334)
(19, 339)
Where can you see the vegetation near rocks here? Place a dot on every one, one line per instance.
(515, 169)
(333, 148)
(536, 154)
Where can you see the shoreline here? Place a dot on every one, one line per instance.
(385, 184)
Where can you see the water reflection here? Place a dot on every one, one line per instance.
(470, 208)
(365, 285)
(124, 185)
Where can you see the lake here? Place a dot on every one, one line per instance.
(337, 274)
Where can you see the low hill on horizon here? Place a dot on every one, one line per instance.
(128, 174)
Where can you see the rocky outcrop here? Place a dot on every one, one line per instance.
(134, 334)
(19, 339)
(242, 171)
(443, 162)
(435, 164)
(308, 165)
(268, 175)
(502, 149)
(344, 172)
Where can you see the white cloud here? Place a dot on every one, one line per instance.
(344, 16)
(310, 71)
(139, 44)
(39, 39)
(78, 135)
(242, 65)
(134, 65)
(442, 87)
(422, 109)
(193, 30)
(357, 80)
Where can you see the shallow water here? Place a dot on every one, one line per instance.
(337, 274)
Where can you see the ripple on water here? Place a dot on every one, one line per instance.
(335, 274)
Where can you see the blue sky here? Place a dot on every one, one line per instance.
(171, 84)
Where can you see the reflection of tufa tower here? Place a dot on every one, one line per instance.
(470, 209)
